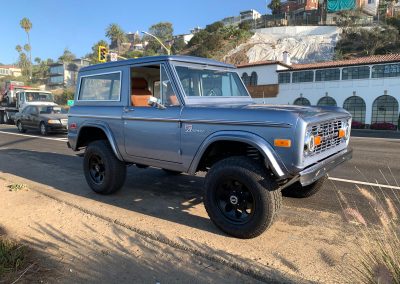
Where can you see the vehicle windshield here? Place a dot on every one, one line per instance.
(210, 83)
(39, 97)
(52, 110)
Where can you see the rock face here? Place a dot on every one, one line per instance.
(304, 43)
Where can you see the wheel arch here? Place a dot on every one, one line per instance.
(93, 131)
(251, 139)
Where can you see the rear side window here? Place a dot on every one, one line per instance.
(104, 87)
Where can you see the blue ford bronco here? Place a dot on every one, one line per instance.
(188, 115)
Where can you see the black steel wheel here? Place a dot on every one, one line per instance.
(235, 200)
(241, 198)
(104, 173)
(96, 169)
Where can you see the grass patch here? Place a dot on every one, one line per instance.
(17, 187)
(375, 256)
(12, 256)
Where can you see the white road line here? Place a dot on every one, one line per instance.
(364, 183)
(38, 137)
(375, 138)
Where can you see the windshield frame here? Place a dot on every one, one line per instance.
(210, 99)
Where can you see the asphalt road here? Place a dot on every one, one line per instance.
(375, 161)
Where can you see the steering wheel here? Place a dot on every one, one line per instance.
(214, 92)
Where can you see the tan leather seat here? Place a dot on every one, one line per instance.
(140, 92)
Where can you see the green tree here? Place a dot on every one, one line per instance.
(40, 71)
(67, 56)
(26, 25)
(275, 7)
(178, 46)
(117, 36)
(163, 31)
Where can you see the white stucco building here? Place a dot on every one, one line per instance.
(368, 87)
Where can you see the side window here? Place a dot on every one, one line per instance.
(105, 87)
(151, 81)
(26, 110)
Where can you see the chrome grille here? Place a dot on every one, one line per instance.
(328, 131)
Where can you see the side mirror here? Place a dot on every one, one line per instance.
(153, 102)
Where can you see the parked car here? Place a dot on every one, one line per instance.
(44, 118)
(187, 114)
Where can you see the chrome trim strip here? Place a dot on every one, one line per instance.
(235, 122)
(205, 121)
(93, 116)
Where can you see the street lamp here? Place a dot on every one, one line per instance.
(157, 39)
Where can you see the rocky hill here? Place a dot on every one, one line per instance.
(304, 43)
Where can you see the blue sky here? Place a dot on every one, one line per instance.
(78, 24)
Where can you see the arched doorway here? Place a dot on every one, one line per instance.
(246, 79)
(385, 113)
(357, 108)
(327, 101)
(302, 102)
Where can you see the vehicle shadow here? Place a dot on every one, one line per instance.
(147, 191)
(120, 256)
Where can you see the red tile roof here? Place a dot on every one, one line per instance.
(8, 66)
(374, 59)
(262, 63)
(350, 62)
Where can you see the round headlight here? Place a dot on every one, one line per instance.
(309, 142)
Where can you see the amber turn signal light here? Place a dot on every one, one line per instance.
(285, 143)
(317, 140)
(342, 133)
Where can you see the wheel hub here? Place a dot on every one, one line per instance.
(233, 199)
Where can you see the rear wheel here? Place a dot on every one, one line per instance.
(43, 129)
(296, 190)
(104, 173)
(20, 127)
(240, 197)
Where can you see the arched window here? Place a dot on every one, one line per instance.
(246, 79)
(302, 102)
(357, 108)
(253, 79)
(385, 112)
(327, 101)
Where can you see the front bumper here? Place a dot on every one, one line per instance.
(315, 172)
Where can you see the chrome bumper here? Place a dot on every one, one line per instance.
(317, 171)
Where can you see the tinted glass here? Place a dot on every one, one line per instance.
(210, 83)
(104, 87)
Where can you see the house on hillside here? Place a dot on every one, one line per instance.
(367, 87)
(63, 74)
(10, 70)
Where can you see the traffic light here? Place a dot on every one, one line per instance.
(102, 53)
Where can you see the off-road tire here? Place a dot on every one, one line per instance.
(263, 188)
(171, 172)
(21, 129)
(43, 129)
(114, 169)
(296, 190)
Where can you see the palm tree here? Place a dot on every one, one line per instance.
(26, 24)
(18, 48)
(117, 36)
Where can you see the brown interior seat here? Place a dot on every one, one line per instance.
(140, 92)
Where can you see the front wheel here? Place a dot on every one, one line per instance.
(104, 173)
(21, 129)
(296, 190)
(240, 197)
(43, 129)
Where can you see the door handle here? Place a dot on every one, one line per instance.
(128, 109)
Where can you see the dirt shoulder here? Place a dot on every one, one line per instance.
(73, 246)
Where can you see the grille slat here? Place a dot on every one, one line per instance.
(328, 131)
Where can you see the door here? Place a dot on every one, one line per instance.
(153, 131)
(28, 115)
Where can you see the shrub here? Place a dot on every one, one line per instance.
(62, 98)
(12, 256)
(357, 125)
(383, 126)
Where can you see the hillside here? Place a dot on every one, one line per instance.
(304, 43)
